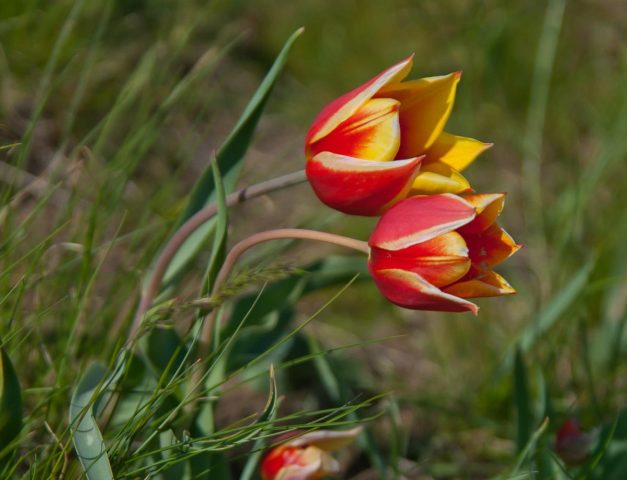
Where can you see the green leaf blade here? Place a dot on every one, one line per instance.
(10, 402)
(229, 161)
(87, 439)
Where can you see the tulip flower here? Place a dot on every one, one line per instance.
(571, 443)
(385, 140)
(306, 457)
(433, 252)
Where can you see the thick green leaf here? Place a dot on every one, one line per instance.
(136, 384)
(10, 402)
(165, 350)
(230, 159)
(166, 355)
(209, 466)
(218, 252)
(87, 439)
(177, 470)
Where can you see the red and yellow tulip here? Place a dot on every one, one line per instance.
(306, 457)
(385, 140)
(433, 252)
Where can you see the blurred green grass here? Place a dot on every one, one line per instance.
(118, 159)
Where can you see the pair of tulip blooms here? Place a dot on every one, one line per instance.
(381, 150)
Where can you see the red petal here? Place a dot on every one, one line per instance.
(490, 247)
(440, 261)
(421, 218)
(279, 458)
(343, 107)
(360, 187)
(410, 290)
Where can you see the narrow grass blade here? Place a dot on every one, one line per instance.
(275, 310)
(87, 439)
(340, 395)
(536, 115)
(269, 414)
(564, 299)
(10, 402)
(609, 460)
(218, 252)
(526, 451)
(47, 80)
(81, 84)
(550, 314)
(165, 350)
(523, 403)
(210, 465)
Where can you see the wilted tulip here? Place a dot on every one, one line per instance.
(306, 457)
(571, 443)
(433, 252)
(385, 140)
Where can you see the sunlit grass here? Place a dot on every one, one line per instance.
(109, 111)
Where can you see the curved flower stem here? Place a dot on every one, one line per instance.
(241, 247)
(189, 227)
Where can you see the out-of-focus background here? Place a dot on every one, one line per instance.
(118, 130)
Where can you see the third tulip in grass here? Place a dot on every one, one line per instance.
(434, 252)
(385, 140)
(306, 457)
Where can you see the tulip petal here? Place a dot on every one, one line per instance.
(456, 151)
(489, 206)
(418, 219)
(410, 290)
(426, 104)
(487, 284)
(311, 463)
(309, 467)
(437, 177)
(440, 261)
(326, 439)
(278, 459)
(360, 187)
(490, 247)
(343, 107)
(371, 133)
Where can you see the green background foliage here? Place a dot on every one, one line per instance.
(118, 107)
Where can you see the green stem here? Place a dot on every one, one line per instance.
(247, 243)
(189, 227)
